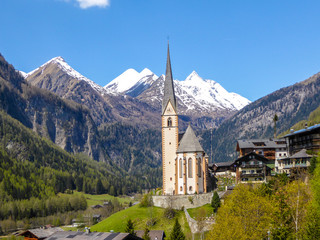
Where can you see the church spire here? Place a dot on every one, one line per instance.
(168, 87)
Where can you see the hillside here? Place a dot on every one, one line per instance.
(34, 167)
(292, 104)
(67, 124)
(140, 217)
(70, 125)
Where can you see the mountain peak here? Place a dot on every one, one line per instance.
(146, 72)
(193, 76)
(57, 59)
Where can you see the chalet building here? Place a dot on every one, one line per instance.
(184, 162)
(307, 138)
(299, 160)
(223, 168)
(269, 148)
(252, 168)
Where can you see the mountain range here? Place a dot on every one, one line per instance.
(135, 98)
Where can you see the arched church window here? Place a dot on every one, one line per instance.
(180, 168)
(190, 167)
(199, 167)
(169, 122)
(190, 188)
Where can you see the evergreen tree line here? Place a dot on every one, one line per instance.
(31, 166)
(35, 207)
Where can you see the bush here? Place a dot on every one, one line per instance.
(146, 201)
(169, 213)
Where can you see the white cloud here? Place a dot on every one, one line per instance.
(93, 3)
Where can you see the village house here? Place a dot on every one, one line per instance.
(269, 148)
(299, 160)
(307, 138)
(252, 168)
(223, 168)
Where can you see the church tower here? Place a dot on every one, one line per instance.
(170, 133)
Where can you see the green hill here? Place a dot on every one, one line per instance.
(140, 216)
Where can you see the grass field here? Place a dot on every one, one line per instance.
(99, 199)
(117, 222)
(193, 211)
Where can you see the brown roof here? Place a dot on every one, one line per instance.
(67, 235)
(42, 233)
(154, 234)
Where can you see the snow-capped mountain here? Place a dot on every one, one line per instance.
(135, 97)
(130, 80)
(194, 92)
(208, 92)
(61, 63)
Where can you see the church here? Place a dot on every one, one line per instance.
(184, 162)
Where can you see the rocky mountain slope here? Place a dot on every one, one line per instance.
(135, 98)
(292, 104)
(58, 77)
(67, 124)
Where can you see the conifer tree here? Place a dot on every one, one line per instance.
(215, 202)
(146, 235)
(130, 227)
(177, 233)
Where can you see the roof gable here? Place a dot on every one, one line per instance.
(252, 156)
(189, 142)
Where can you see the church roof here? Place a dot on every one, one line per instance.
(189, 142)
(168, 87)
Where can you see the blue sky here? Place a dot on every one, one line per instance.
(250, 47)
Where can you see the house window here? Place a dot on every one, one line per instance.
(252, 171)
(251, 162)
(180, 168)
(190, 167)
(169, 122)
(244, 172)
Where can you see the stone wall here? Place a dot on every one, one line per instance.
(194, 225)
(179, 201)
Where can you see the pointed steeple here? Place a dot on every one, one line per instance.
(168, 87)
(189, 142)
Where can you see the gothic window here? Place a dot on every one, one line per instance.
(199, 167)
(180, 168)
(169, 122)
(181, 189)
(190, 167)
(190, 188)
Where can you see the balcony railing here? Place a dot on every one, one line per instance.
(244, 175)
(252, 166)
